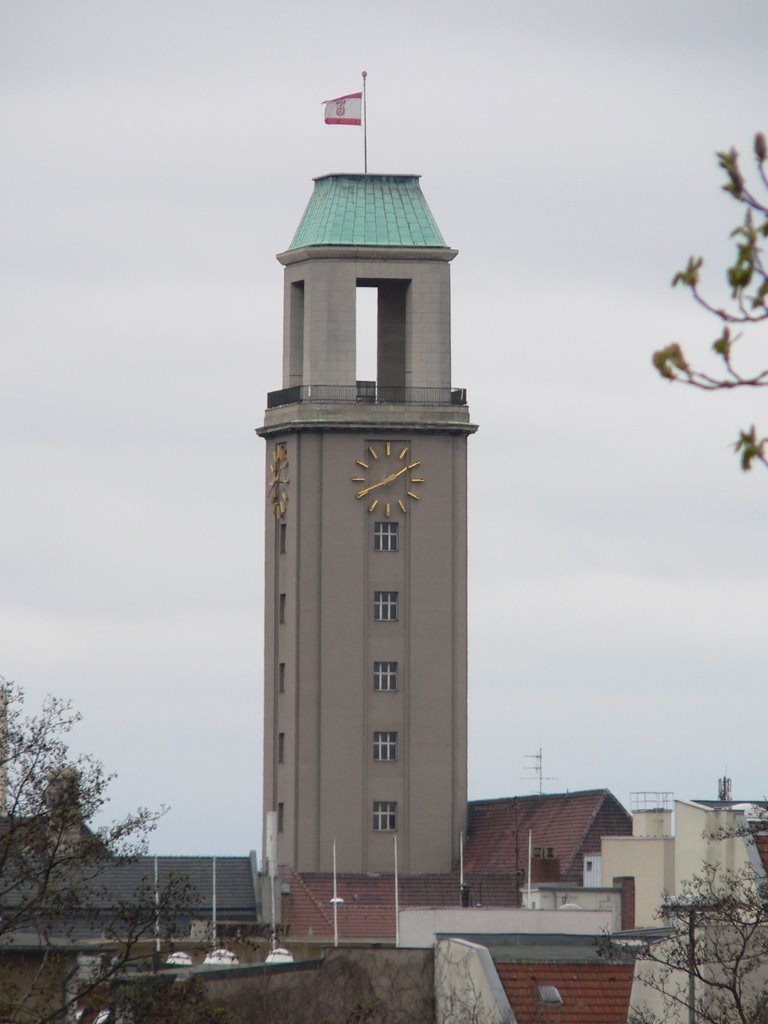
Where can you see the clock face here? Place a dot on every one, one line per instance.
(277, 489)
(387, 478)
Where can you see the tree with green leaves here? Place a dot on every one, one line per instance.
(747, 279)
(70, 921)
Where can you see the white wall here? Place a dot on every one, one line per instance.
(419, 926)
(467, 987)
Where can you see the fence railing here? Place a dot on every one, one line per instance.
(366, 391)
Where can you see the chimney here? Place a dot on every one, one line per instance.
(627, 886)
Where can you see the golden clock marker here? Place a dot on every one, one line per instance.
(403, 506)
(412, 495)
(388, 447)
(372, 450)
(373, 504)
(403, 453)
(358, 479)
(417, 479)
(388, 510)
(361, 463)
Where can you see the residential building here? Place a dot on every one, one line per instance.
(672, 841)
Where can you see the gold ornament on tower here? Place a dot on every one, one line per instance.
(277, 488)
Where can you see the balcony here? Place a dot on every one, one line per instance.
(365, 391)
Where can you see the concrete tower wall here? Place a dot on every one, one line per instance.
(366, 569)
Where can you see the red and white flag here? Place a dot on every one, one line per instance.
(345, 109)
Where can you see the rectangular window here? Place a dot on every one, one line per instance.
(385, 746)
(281, 677)
(281, 535)
(280, 816)
(384, 675)
(385, 605)
(280, 747)
(281, 609)
(385, 536)
(384, 816)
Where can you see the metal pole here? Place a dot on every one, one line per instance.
(365, 125)
(397, 901)
(335, 901)
(691, 967)
(213, 904)
(461, 861)
(156, 955)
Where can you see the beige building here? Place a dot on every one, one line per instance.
(660, 854)
(366, 548)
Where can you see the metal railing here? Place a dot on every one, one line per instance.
(366, 391)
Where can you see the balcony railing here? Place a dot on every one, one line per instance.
(366, 391)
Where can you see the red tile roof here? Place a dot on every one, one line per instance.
(596, 993)
(572, 824)
(368, 910)
(497, 845)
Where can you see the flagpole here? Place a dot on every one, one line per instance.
(335, 901)
(365, 126)
(397, 902)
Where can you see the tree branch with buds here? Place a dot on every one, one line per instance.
(747, 279)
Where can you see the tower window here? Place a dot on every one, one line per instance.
(385, 746)
(385, 605)
(280, 747)
(385, 536)
(281, 609)
(281, 537)
(280, 816)
(281, 677)
(384, 816)
(384, 675)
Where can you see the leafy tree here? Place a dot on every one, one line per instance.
(711, 965)
(61, 887)
(747, 280)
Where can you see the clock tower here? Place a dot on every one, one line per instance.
(365, 683)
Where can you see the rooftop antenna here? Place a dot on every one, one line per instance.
(537, 769)
(724, 788)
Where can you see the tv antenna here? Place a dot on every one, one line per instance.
(537, 769)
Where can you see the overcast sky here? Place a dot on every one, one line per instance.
(158, 153)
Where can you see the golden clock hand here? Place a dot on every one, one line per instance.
(372, 487)
(387, 479)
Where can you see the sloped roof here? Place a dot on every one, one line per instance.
(105, 885)
(368, 910)
(235, 891)
(761, 842)
(596, 993)
(572, 824)
(368, 209)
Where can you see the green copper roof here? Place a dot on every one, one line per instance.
(367, 209)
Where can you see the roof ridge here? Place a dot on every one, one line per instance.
(315, 902)
(538, 796)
